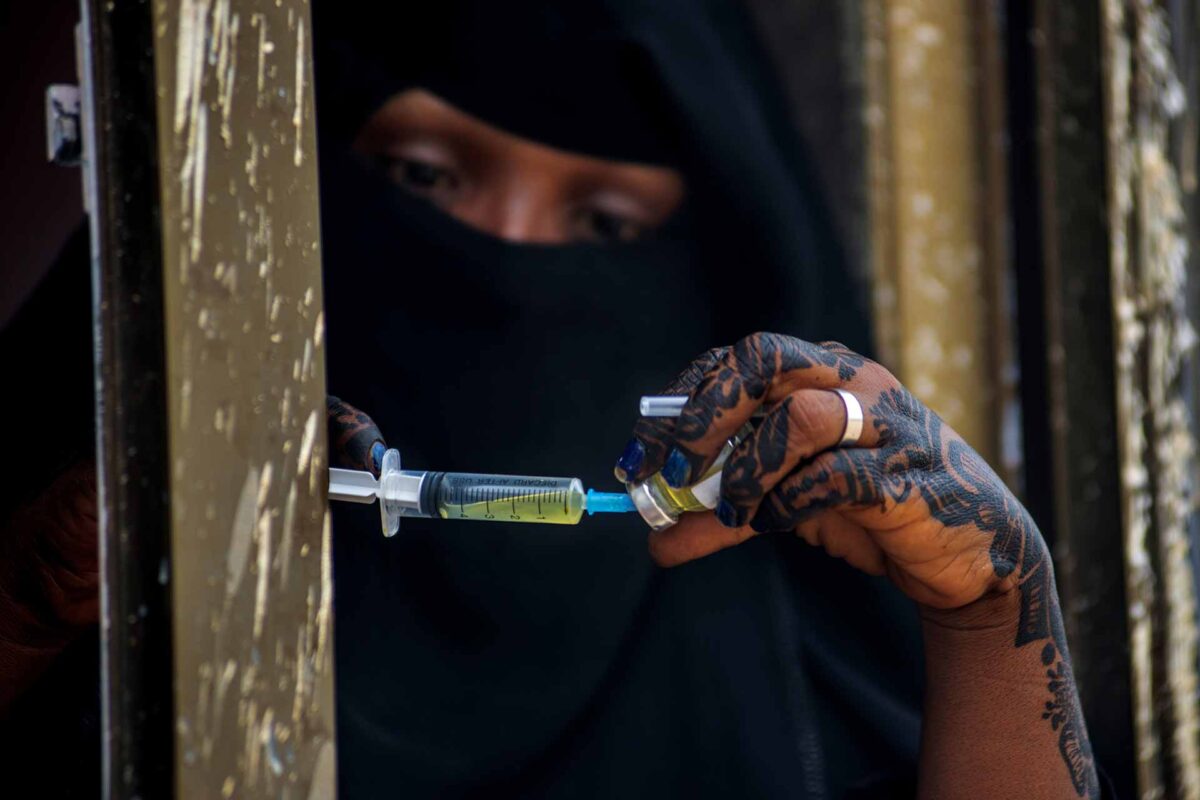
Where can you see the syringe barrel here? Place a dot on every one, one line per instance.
(503, 498)
(474, 496)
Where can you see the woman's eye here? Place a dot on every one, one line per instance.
(422, 177)
(604, 226)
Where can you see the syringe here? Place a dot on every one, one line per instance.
(470, 496)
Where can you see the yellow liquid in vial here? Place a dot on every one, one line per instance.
(674, 502)
(681, 499)
(503, 498)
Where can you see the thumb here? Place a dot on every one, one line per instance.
(694, 536)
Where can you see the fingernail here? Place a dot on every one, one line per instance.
(727, 514)
(675, 471)
(631, 460)
(377, 451)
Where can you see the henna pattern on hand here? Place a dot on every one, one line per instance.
(745, 373)
(961, 491)
(915, 456)
(743, 483)
(352, 436)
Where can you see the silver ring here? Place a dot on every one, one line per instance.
(854, 419)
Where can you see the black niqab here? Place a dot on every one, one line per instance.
(516, 660)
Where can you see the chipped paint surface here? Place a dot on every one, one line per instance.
(252, 580)
(930, 246)
(1154, 340)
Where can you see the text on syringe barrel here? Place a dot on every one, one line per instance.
(508, 498)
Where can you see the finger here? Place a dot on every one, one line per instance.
(760, 369)
(807, 422)
(355, 441)
(841, 480)
(837, 347)
(73, 505)
(646, 451)
(844, 539)
(695, 536)
(84, 612)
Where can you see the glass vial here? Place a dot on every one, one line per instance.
(661, 505)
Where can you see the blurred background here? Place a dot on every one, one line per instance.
(1016, 187)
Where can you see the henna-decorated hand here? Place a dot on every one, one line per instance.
(355, 441)
(912, 500)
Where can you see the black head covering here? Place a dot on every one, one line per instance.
(505, 659)
(570, 77)
(679, 82)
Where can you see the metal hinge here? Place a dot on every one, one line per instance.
(68, 136)
(64, 133)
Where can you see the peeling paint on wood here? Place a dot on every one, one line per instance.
(933, 247)
(253, 621)
(1154, 340)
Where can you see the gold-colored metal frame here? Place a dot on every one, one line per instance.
(937, 209)
(201, 181)
(1154, 344)
(250, 538)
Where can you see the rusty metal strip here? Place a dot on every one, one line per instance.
(1062, 242)
(1154, 343)
(931, 175)
(995, 226)
(878, 120)
(246, 383)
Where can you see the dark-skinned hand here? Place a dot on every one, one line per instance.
(911, 500)
(50, 545)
